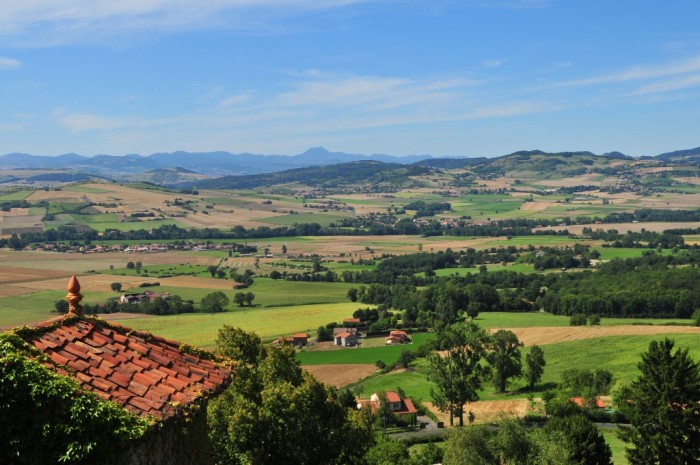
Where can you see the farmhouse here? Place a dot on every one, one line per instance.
(142, 297)
(152, 377)
(402, 408)
(298, 340)
(397, 337)
(345, 338)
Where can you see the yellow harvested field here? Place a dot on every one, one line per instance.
(584, 180)
(93, 282)
(536, 206)
(486, 411)
(340, 375)
(624, 227)
(554, 335)
(9, 275)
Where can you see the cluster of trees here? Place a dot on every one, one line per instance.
(423, 208)
(644, 239)
(646, 286)
(173, 305)
(468, 356)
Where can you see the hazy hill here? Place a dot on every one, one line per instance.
(690, 155)
(208, 163)
(358, 172)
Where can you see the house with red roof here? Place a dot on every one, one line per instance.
(345, 339)
(585, 403)
(154, 378)
(402, 408)
(397, 337)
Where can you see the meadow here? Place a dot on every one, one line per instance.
(201, 329)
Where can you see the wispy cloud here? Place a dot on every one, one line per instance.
(669, 85)
(53, 22)
(82, 122)
(9, 63)
(234, 100)
(495, 63)
(514, 4)
(637, 73)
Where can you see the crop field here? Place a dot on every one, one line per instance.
(324, 219)
(6, 196)
(201, 329)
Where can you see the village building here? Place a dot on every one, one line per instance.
(345, 338)
(142, 297)
(403, 408)
(299, 340)
(397, 337)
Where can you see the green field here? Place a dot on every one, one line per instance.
(354, 356)
(17, 195)
(534, 319)
(324, 219)
(201, 329)
(162, 271)
(518, 268)
(616, 445)
(85, 189)
(106, 221)
(620, 355)
(38, 306)
(608, 253)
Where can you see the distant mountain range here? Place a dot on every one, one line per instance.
(181, 167)
(208, 163)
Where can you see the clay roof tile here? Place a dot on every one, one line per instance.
(144, 373)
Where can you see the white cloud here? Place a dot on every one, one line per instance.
(495, 63)
(234, 100)
(669, 85)
(51, 22)
(638, 73)
(77, 123)
(9, 63)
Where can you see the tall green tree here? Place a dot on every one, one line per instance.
(469, 446)
(458, 372)
(274, 412)
(584, 441)
(534, 366)
(663, 406)
(504, 358)
(214, 302)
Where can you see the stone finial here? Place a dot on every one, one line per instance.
(74, 297)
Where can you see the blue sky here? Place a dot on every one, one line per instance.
(400, 77)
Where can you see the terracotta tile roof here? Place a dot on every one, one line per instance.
(392, 396)
(344, 335)
(146, 374)
(581, 402)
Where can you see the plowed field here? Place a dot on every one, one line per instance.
(340, 375)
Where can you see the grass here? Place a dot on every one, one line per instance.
(201, 329)
(355, 356)
(324, 219)
(17, 195)
(535, 319)
(162, 271)
(608, 253)
(617, 446)
(86, 189)
(620, 355)
(38, 306)
(518, 268)
(101, 226)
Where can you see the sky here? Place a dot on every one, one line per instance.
(397, 77)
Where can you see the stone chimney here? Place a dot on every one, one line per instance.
(74, 297)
